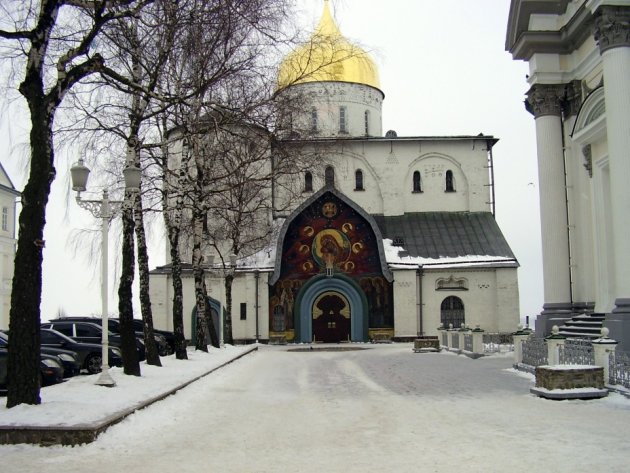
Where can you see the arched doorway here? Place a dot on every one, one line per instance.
(338, 294)
(452, 312)
(331, 317)
(214, 306)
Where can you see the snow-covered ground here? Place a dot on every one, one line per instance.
(381, 409)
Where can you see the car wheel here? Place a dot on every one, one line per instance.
(93, 363)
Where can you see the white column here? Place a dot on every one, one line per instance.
(612, 32)
(545, 103)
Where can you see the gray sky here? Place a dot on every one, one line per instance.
(443, 70)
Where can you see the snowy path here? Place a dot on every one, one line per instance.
(382, 409)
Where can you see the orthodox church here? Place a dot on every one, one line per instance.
(391, 238)
(578, 52)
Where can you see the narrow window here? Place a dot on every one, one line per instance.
(313, 119)
(449, 182)
(329, 176)
(367, 122)
(343, 125)
(358, 179)
(5, 218)
(243, 310)
(308, 182)
(417, 182)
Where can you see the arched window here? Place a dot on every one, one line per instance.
(313, 119)
(358, 180)
(308, 182)
(452, 312)
(417, 183)
(367, 122)
(450, 186)
(329, 176)
(343, 120)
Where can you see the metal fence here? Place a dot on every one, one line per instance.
(444, 339)
(619, 369)
(576, 351)
(468, 342)
(497, 342)
(535, 351)
(455, 340)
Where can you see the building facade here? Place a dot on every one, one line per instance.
(390, 237)
(8, 196)
(579, 58)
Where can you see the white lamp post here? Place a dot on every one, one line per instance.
(105, 210)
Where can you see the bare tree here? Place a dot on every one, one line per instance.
(52, 41)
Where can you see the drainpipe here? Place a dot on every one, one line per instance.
(257, 277)
(419, 273)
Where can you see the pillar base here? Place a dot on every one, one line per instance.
(618, 322)
(556, 313)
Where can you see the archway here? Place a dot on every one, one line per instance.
(338, 294)
(452, 312)
(214, 306)
(331, 317)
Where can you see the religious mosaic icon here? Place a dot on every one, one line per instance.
(329, 209)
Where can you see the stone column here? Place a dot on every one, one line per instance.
(554, 341)
(612, 33)
(477, 335)
(544, 102)
(519, 337)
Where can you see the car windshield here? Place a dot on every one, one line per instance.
(4, 340)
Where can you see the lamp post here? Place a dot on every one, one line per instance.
(104, 209)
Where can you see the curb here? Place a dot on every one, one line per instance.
(87, 433)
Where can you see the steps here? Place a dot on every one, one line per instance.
(583, 326)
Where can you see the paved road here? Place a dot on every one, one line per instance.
(381, 409)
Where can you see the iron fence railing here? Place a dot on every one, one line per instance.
(498, 342)
(468, 342)
(535, 351)
(455, 340)
(576, 351)
(619, 369)
(444, 339)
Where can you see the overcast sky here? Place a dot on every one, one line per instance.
(443, 70)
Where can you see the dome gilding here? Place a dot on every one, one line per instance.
(328, 56)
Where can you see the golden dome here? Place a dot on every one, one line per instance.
(328, 56)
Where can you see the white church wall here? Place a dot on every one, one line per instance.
(490, 301)
(405, 303)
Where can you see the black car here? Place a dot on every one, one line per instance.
(168, 336)
(89, 353)
(113, 323)
(50, 370)
(68, 359)
(89, 332)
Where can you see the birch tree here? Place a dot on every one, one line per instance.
(51, 42)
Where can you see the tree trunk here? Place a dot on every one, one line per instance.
(178, 297)
(227, 337)
(200, 287)
(153, 357)
(131, 365)
(24, 349)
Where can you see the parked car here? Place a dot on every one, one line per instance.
(50, 370)
(3, 369)
(89, 332)
(89, 353)
(68, 359)
(164, 347)
(168, 336)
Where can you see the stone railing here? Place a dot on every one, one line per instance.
(464, 340)
(557, 350)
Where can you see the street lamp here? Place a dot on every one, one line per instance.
(104, 209)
